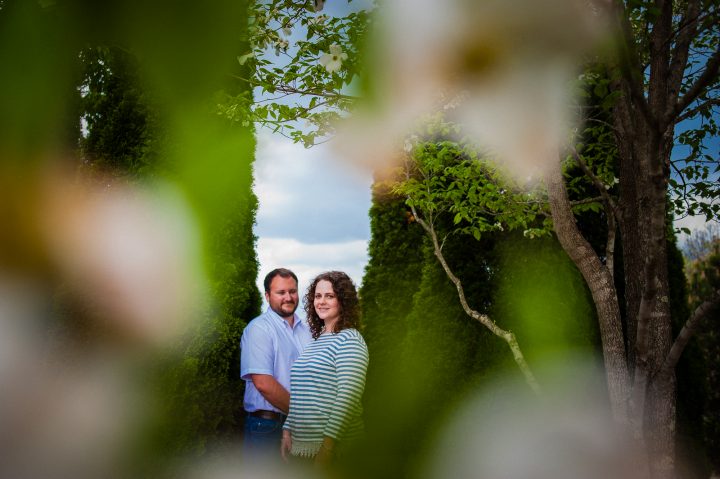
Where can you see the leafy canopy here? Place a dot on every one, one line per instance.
(302, 65)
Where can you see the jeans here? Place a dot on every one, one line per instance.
(262, 437)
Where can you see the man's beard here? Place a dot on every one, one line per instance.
(282, 313)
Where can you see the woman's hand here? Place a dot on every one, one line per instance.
(325, 454)
(285, 444)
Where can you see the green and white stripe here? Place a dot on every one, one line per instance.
(326, 385)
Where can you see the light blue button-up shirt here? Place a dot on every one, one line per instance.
(270, 346)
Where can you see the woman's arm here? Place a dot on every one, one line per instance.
(286, 441)
(351, 365)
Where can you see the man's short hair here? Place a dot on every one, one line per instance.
(282, 272)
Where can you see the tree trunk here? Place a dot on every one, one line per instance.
(644, 152)
(602, 288)
(628, 218)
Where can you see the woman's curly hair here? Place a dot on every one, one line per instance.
(346, 293)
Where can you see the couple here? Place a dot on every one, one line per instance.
(304, 380)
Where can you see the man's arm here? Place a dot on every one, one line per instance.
(272, 390)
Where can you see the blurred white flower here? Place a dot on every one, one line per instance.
(332, 61)
(410, 143)
(287, 31)
(67, 409)
(566, 435)
(261, 42)
(319, 20)
(133, 254)
(281, 46)
(505, 65)
(319, 4)
(231, 464)
(244, 58)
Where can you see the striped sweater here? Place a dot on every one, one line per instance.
(326, 385)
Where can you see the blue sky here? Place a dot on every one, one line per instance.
(680, 151)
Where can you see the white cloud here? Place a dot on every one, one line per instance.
(308, 260)
(280, 169)
(309, 194)
(693, 223)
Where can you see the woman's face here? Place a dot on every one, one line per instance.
(326, 303)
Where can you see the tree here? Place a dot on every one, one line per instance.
(702, 242)
(702, 269)
(443, 177)
(115, 112)
(426, 355)
(666, 72)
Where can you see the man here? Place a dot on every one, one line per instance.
(270, 344)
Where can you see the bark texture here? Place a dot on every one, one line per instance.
(649, 77)
(601, 284)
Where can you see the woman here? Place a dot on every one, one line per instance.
(327, 380)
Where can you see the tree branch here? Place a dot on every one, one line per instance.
(331, 95)
(484, 319)
(707, 309)
(610, 244)
(604, 123)
(628, 62)
(586, 201)
(659, 74)
(609, 211)
(685, 186)
(694, 111)
(688, 28)
(283, 88)
(710, 74)
(595, 180)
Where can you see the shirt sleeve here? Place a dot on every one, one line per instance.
(351, 367)
(290, 419)
(256, 356)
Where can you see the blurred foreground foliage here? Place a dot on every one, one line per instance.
(123, 92)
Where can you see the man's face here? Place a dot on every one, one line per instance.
(283, 296)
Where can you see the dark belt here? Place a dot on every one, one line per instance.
(262, 413)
